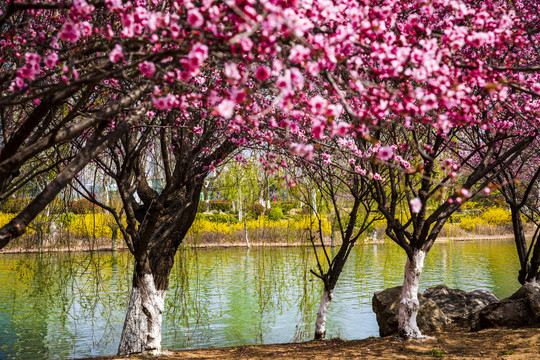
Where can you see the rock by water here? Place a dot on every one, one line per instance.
(386, 306)
(521, 309)
(440, 307)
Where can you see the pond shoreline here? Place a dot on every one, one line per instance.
(244, 245)
(505, 344)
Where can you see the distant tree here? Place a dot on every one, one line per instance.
(346, 193)
(519, 183)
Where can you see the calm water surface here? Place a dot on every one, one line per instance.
(58, 306)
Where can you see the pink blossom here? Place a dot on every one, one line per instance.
(113, 4)
(26, 72)
(302, 150)
(246, 44)
(340, 128)
(226, 108)
(83, 6)
(272, 123)
(262, 73)
(195, 19)
(487, 190)
(85, 28)
(32, 58)
(465, 193)
(160, 102)
(385, 153)
(313, 68)
(318, 105)
(52, 60)
(165, 102)
(318, 129)
(297, 78)
(283, 83)
(147, 68)
(198, 130)
(69, 32)
(17, 84)
(231, 71)
(197, 55)
(416, 205)
(116, 54)
(299, 54)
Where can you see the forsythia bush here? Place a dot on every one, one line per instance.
(202, 224)
(470, 222)
(89, 225)
(497, 216)
(492, 216)
(5, 218)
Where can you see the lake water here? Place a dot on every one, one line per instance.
(72, 305)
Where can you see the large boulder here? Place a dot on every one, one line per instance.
(385, 304)
(518, 310)
(459, 305)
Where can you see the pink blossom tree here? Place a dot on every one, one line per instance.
(519, 185)
(222, 75)
(418, 195)
(345, 192)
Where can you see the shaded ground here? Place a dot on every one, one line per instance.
(487, 344)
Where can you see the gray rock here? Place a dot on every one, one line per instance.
(518, 310)
(385, 304)
(459, 305)
(479, 299)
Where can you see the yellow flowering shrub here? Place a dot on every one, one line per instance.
(90, 225)
(5, 218)
(201, 225)
(471, 222)
(497, 216)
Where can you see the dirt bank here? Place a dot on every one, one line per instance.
(500, 344)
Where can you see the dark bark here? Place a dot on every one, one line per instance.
(96, 145)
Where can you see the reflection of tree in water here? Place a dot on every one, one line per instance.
(308, 299)
(60, 297)
(187, 314)
(235, 296)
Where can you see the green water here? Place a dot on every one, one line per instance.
(70, 305)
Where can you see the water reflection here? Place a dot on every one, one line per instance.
(56, 306)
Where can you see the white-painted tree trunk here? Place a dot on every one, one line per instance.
(246, 234)
(320, 324)
(314, 202)
(409, 305)
(142, 327)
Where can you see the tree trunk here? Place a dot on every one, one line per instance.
(534, 275)
(409, 305)
(521, 244)
(246, 233)
(142, 327)
(320, 324)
